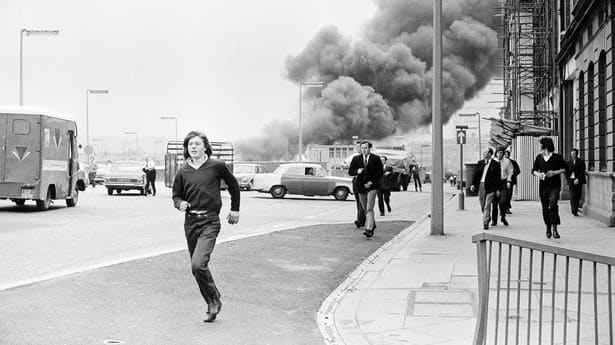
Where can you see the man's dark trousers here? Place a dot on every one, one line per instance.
(550, 210)
(360, 211)
(576, 190)
(150, 178)
(201, 233)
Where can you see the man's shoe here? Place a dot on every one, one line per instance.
(213, 309)
(575, 213)
(555, 233)
(381, 214)
(494, 223)
(508, 212)
(368, 233)
(389, 208)
(548, 231)
(486, 226)
(357, 224)
(504, 221)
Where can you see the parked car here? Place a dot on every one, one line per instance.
(99, 178)
(244, 173)
(125, 175)
(302, 179)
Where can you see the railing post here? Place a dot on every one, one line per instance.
(483, 293)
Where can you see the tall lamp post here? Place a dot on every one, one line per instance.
(29, 33)
(308, 84)
(137, 138)
(437, 187)
(480, 153)
(171, 118)
(88, 149)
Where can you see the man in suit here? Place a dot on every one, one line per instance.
(487, 178)
(367, 167)
(575, 174)
(386, 184)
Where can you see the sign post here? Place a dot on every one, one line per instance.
(461, 140)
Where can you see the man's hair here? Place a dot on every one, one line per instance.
(203, 137)
(500, 149)
(507, 151)
(490, 151)
(384, 157)
(575, 150)
(369, 144)
(547, 144)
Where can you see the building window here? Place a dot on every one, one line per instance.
(331, 152)
(590, 118)
(582, 114)
(602, 111)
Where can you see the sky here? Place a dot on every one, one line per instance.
(217, 66)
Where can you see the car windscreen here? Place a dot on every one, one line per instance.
(243, 169)
(126, 167)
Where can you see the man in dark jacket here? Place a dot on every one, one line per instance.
(516, 172)
(575, 174)
(487, 178)
(367, 167)
(386, 184)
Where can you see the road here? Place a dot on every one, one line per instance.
(105, 230)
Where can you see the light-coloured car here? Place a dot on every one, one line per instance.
(125, 175)
(302, 179)
(244, 173)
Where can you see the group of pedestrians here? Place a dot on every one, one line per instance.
(495, 177)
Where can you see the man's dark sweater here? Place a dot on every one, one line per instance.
(556, 162)
(201, 187)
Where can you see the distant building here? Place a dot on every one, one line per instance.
(334, 155)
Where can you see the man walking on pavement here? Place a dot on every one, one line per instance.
(575, 174)
(196, 191)
(548, 165)
(486, 177)
(367, 167)
(386, 183)
(516, 172)
(505, 189)
(417, 179)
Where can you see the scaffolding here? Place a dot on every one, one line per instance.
(529, 48)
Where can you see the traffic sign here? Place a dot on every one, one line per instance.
(88, 149)
(461, 137)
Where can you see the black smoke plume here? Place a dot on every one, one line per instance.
(380, 85)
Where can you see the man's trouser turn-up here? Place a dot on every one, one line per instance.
(201, 233)
(368, 200)
(485, 203)
(550, 210)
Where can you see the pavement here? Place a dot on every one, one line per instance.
(423, 289)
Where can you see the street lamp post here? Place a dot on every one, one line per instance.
(137, 138)
(29, 33)
(437, 187)
(308, 84)
(87, 117)
(480, 154)
(171, 118)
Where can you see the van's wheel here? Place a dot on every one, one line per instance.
(43, 205)
(109, 191)
(72, 202)
(341, 193)
(278, 192)
(19, 202)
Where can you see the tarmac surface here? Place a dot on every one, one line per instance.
(272, 287)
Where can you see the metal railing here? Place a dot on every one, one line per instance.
(512, 318)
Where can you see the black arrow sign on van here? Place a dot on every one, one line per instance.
(57, 137)
(21, 152)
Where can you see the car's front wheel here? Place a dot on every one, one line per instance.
(278, 192)
(341, 193)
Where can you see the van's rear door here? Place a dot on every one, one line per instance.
(22, 149)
